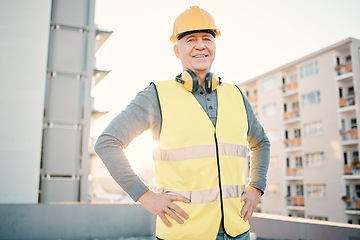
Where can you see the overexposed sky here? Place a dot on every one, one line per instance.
(256, 36)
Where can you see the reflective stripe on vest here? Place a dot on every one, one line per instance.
(193, 152)
(207, 196)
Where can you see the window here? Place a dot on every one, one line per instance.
(347, 191)
(298, 161)
(288, 190)
(351, 90)
(337, 61)
(309, 70)
(269, 84)
(357, 191)
(297, 133)
(316, 190)
(300, 190)
(345, 158)
(343, 124)
(312, 129)
(353, 123)
(311, 99)
(315, 159)
(295, 105)
(348, 59)
(269, 110)
(355, 155)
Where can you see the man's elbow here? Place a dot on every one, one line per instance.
(99, 145)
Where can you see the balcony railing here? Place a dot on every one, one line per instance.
(349, 134)
(292, 142)
(351, 170)
(295, 201)
(351, 203)
(298, 171)
(291, 114)
(253, 98)
(290, 86)
(349, 101)
(343, 68)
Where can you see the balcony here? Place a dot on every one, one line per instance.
(253, 99)
(347, 135)
(292, 144)
(290, 88)
(348, 101)
(295, 201)
(352, 172)
(294, 173)
(352, 205)
(343, 68)
(291, 114)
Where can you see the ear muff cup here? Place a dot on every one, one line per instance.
(211, 82)
(190, 81)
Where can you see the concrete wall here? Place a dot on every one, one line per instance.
(279, 227)
(74, 221)
(94, 221)
(24, 36)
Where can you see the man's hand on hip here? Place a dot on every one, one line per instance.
(251, 197)
(162, 203)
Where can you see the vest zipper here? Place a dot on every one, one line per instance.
(220, 188)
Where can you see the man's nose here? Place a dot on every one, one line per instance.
(200, 44)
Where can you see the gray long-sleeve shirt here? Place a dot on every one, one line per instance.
(144, 113)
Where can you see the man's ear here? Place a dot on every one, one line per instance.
(176, 51)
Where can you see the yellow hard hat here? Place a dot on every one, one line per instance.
(193, 19)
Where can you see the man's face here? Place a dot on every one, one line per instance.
(196, 52)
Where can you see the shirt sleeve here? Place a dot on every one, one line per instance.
(141, 114)
(259, 146)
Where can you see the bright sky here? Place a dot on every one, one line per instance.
(256, 36)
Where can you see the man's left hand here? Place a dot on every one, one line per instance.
(251, 197)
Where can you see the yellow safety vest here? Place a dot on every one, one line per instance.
(193, 159)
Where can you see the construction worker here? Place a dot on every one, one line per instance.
(204, 127)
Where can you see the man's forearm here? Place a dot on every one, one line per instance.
(259, 145)
(259, 162)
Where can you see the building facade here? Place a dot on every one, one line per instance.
(310, 111)
(49, 70)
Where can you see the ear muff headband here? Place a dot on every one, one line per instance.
(191, 83)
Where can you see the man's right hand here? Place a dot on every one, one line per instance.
(162, 203)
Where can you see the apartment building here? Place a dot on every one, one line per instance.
(310, 111)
